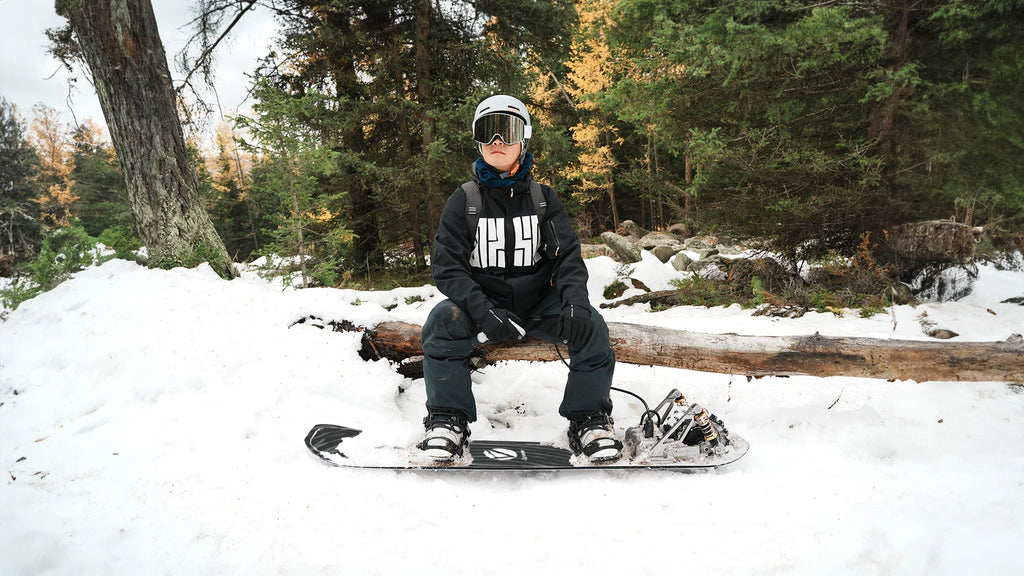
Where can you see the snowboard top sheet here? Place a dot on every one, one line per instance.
(325, 441)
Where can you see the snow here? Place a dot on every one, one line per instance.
(151, 422)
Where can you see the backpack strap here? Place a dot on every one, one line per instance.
(474, 203)
(540, 205)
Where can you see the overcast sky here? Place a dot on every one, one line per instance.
(28, 75)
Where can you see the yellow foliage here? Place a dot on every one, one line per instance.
(590, 73)
(52, 143)
(324, 216)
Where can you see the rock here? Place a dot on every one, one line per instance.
(629, 228)
(682, 262)
(700, 243)
(942, 334)
(664, 253)
(713, 268)
(650, 241)
(730, 250)
(595, 250)
(705, 252)
(680, 231)
(624, 250)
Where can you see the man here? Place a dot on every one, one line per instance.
(516, 272)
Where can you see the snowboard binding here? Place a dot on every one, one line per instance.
(676, 431)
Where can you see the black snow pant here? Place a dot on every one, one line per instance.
(448, 338)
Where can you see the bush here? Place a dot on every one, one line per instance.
(121, 240)
(64, 252)
(700, 291)
(18, 292)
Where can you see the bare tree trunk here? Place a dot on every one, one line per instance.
(755, 356)
(121, 45)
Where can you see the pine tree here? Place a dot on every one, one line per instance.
(402, 79)
(20, 226)
(98, 182)
(291, 163)
(228, 199)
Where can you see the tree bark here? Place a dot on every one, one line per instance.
(121, 45)
(882, 123)
(753, 356)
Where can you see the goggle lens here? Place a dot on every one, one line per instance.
(511, 129)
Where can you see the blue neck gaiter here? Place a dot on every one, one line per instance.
(491, 178)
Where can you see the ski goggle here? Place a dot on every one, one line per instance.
(511, 129)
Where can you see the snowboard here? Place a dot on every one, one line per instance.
(325, 441)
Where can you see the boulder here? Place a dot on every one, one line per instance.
(680, 231)
(664, 252)
(595, 250)
(681, 262)
(730, 250)
(713, 268)
(705, 252)
(654, 239)
(629, 228)
(698, 243)
(625, 251)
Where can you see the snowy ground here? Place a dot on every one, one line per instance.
(151, 422)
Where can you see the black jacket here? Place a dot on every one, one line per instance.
(510, 268)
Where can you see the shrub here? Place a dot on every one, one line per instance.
(614, 290)
(18, 292)
(700, 291)
(121, 240)
(64, 252)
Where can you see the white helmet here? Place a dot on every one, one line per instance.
(504, 117)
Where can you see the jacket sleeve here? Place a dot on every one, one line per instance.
(563, 247)
(453, 244)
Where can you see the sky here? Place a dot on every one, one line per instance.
(28, 75)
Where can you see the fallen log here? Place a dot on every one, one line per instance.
(753, 356)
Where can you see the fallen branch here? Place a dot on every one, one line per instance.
(752, 356)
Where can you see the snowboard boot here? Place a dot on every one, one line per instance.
(447, 434)
(592, 435)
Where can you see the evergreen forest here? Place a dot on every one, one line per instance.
(811, 127)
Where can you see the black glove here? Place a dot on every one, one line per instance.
(499, 324)
(574, 327)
